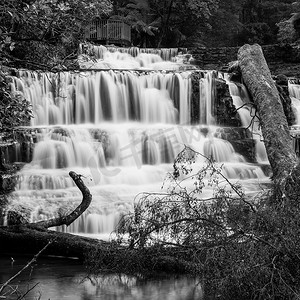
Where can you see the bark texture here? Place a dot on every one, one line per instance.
(70, 218)
(275, 130)
(24, 240)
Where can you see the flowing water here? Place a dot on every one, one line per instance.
(120, 129)
(120, 122)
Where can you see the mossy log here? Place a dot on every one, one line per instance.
(274, 125)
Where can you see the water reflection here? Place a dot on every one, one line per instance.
(58, 279)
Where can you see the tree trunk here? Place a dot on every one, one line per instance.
(275, 130)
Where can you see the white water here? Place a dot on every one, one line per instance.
(121, 130)
(247, 114)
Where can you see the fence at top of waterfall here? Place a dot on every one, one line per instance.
(109, 31)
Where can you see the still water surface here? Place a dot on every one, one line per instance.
(60, 278)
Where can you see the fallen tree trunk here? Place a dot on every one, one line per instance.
(22, 239)
(29, 238)
(275, 130)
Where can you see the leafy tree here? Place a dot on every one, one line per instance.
(15, 111)
(137, 14)
(289, 29)
(38, 35)
(41, 34)
(167, 23)
(238, 22)
(225, 24)
(181, 20)
(259, 20)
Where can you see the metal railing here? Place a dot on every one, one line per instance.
(109, 31)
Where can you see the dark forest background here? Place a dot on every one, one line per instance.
(211, 23)
(44, 33)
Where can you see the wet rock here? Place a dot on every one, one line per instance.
(18, 215)
(241, 140)
(8, 181)
(195, 103)
(282, 87)
(226, 113)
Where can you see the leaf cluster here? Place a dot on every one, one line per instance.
(37, 34)
(15, 110)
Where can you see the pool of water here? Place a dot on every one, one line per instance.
(61, 278)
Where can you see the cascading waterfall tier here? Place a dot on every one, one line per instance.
(121, 130)
(249, 118)
(112, 57)
(95, 97)
(100, 51)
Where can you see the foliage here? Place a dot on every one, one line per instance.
(165, 23)
(255, 33)
(241, 248)
(15, 110)
(45, 33)
(247, 21)
(287, 32)
(173, 23)
(136, 13)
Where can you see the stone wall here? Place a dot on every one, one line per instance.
(282, 59)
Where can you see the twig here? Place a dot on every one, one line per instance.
(25, 267)
(28, 290)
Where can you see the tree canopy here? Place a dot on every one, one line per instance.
(45, 32)
(172, 23)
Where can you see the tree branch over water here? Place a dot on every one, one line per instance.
(70, 218)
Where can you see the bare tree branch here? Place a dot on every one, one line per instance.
(33, 260)
(70, 218)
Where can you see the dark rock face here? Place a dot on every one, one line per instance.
(195, 103)
(7, 182)
(16, 218)
(226, 113)
(19, 147)
(241, 140)
(9, 178)
(213, 58)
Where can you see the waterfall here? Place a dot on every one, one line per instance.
(94, 97)
(120, 129)
(294, 91)
(248, 117)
